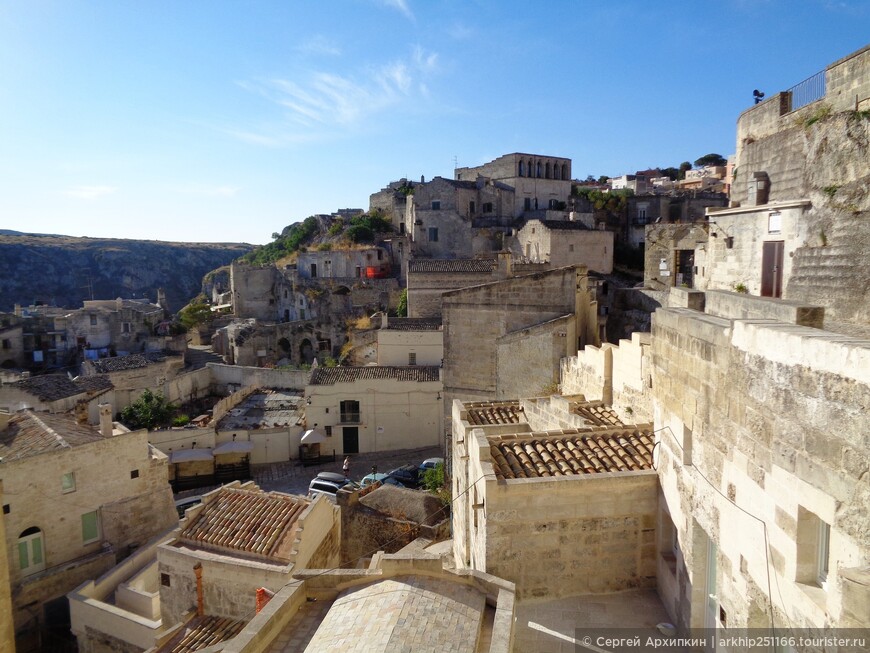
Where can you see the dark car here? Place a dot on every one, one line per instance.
(407, 475)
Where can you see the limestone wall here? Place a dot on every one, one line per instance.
(425, 289)
(763, 437)
(253, 291)
(7, 634)
(527, 360)
(234, 376)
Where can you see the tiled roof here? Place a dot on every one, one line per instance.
(129, 362)
(30, 434)
(245, 521)
(201, 632)
(413, 324)
(596, 413)
(570, 454)
(51, 387)
(464, 265)
(333, 375)
(493, 412)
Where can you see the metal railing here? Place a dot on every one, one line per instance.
(809, 90)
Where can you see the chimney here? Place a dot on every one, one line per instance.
(505, 265)
(107, 428)
(200, 602)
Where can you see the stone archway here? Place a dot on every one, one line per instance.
(306, 352)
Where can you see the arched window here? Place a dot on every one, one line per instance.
(31, 554)
(538, 175)
(521, 169)
(565, 171)
(547, 170)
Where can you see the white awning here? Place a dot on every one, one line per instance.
(190, 455)
(313, 437)
(242, 446)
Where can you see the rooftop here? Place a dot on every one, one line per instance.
(564, 225)
(483, 413)
(201, 632)
(406, 613)
(596, 413)
(572, 452)
(265, 409)
(249, 521)
(333, 375)
(461, 265)
(30, 434)
(413, 324)
(129, 362)
(51, 387)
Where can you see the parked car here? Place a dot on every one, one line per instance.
(430, 463)
(407, 475)
(371, 479)
(328, 484)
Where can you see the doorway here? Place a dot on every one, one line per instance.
(685, 267)
(771, 268)
(350, 439)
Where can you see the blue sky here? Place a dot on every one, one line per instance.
(218, 121)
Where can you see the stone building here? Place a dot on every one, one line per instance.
(410, 341)
(643, 210)
(556, 495)
(70, 516)
(375, 408)
(12, 354)
(448, 218)
(798, 225)
(132, 374)
(347, 264)
(54, 393)
(538, 181)
(564, 242)
(505, 339)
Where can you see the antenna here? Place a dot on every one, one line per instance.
(455, 162)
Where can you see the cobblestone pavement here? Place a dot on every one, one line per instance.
(293, 478)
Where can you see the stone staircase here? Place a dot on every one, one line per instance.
(197, 357)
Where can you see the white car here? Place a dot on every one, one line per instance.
(431, 463)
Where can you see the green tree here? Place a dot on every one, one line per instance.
(684, 166)
(194, 314)
(711, 159)
(149, 411)
(402, 306)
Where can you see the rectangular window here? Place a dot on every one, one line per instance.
(433, 234)
(412, 358)
(134, 473)
(164, 580)
(349, 411)
(90, 527)
(68, 482)
(813, 549)
(401, 227)
(570, 248)
(6, 509)
(328, 431)
(471, 207)
(487, 207)
(822, 563)
(7, 344)
(301, 313)
(125, 327)
(436, 205)
(527, 203)
(93, 320)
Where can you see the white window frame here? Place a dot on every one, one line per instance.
(68, 482)
(824, 554)
(30, 545)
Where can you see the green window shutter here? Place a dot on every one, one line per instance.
(36, 550)
(23, 558)
(90, 530)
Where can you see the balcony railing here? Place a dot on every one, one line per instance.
(807, 91)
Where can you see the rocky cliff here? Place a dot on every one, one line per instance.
(64, 271)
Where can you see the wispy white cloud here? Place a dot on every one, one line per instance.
(89, 192)
(321, 104)
(399, 5)
(319, 45)
(460, 32)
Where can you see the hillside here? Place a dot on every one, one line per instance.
(64, 271)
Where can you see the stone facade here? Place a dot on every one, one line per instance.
(538, 181)
(375, 408)
(509, 335)
(763, 468)
(405, 341)
(562, 242)
(362, 263)
(88, 514)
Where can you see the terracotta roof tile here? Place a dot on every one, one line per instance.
(251, 522)
(572, 453)
(596, 413)
(51, 387)
(30, 434)
(201, 632)
(129, 362)
(493, 412)
(333, 375)
(463, 265)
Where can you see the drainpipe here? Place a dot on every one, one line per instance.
(200, 607)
